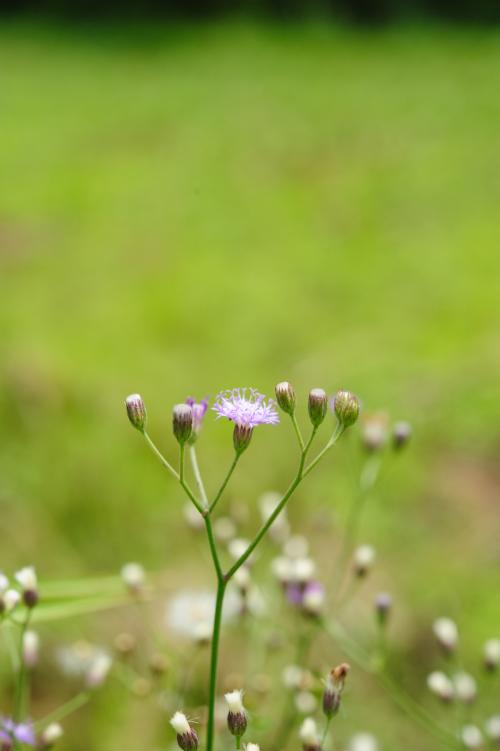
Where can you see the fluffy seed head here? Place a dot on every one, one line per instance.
(9, 600)
(51, 734)
(363, 742)
(364, 558)
(187, 739)
(285, 396)
(98, 670)
(4, 583)
(446, 632)
(492, 654)
(136, 411)
(182, 422)
(313, 598)
(317, 405)
(309, 735)
(133, 576)
(492, 727)
(465, 687)
(252, 747)
(346, 407)
(236, 718)
(440, 685)
(471, 736)
(374, 431)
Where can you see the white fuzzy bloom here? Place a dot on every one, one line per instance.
(303, 570)
(10, 599)
(446, 632)
(492, 653)
(440, 684)
(492, 727)
(27, 579)
(296, 547)
(31, 648)
(305, 702)
(234, 701)
(363, 742)
(242, 578)
(133, 576)
(190, 613)
(471, 736)
(313, 600)
(309, 732)
(237, 547)
(224, 528)
(51, 734)
(180, 723)
(465, 687)
(282, 568)
(192, 516)
(4, 583)
(364, 558)
(98, 670)
(252, 747)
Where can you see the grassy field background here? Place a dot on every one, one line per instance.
(185, 209)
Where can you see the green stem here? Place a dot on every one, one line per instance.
(197, 476)
(182, 449)
(64, 710)
(160, 456)
(213, 548)
(333, 440)
(325, 732)
(297, 431)
(21, 678)
(214, 658)
(225, 482)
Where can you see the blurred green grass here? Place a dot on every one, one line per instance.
(186, 209)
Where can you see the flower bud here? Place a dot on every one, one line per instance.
(50, 735)
(401, 434)
(236, 717)
(199, 409)
(133, 577)
(446, 632)
(309, 735)
(346, 407)
(317, 406)
(242, 435)
(440, 685)
(186, 736)
(182, 422)
(285, 396)
(334, 686)
(9, 600)
(27, 579)
(465, 687)
(364, 558)
(313, 598)
(492, 654)
(31, 647)
(383, 605)
(136, 411)
(471, 737)
(252, 747)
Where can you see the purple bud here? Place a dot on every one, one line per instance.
(182, 422)
(242, 435)
(317, 406)
(136, 411)
(285, 396)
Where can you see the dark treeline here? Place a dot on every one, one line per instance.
(356, 11)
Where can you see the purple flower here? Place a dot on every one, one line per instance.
(198, 410)
(21, 732)
(246, 407)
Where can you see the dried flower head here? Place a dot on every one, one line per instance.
(50, 735)
(236, 717)
(334, 685)
(309, 735)
(285, 396)
(187, 739)
(246, 407)
(136, 411)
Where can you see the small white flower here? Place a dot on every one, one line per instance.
(446, 632)
(492, 727)
(252, 747)
(309, 732)
(282, 568)
(305, 702)
(296, 547)
(363, 742)
(471, 736)
(364, 558)
(180, 723)
(51, 734)
(234, 701)
(440, 684)
(4, 583)
(224, 528)
(492, 653)
(31, 648)
(465, 687)
(133, 576)
(303, 570)
(98, 670)
(27, 579)
(10, 599)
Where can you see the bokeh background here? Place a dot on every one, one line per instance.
(190, 204)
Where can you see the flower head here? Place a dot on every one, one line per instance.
(198, 410)
(246, 407)
(20, 732)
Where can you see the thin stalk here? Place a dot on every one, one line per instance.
(159, 455)
(325, 732)
(333, 440)
(297, 431)
(64, 710)
(214, 658)
(213, 549)
(225, 482)
(21, 678)
(197, 476)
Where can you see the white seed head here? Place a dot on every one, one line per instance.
(296, 547)
(98, 670)
(363, 742)
(31, 648)
(305, 702)
(303, 570)
(282, 568)
(234, 701)
(180, 723)
(313, 600)
(4, 583)
(192, 516)
(446, 632)
(364, 558)
(471, 736)
(309, 732)
(252, 747)
(133, 576)
(202, 632)
(51, 734)
(224, 528)
(492, 727)
(10, 599)
(492, 653)
(242, 578)
(440, 685)
(465, 687)
(237, 547)
(27, 579)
